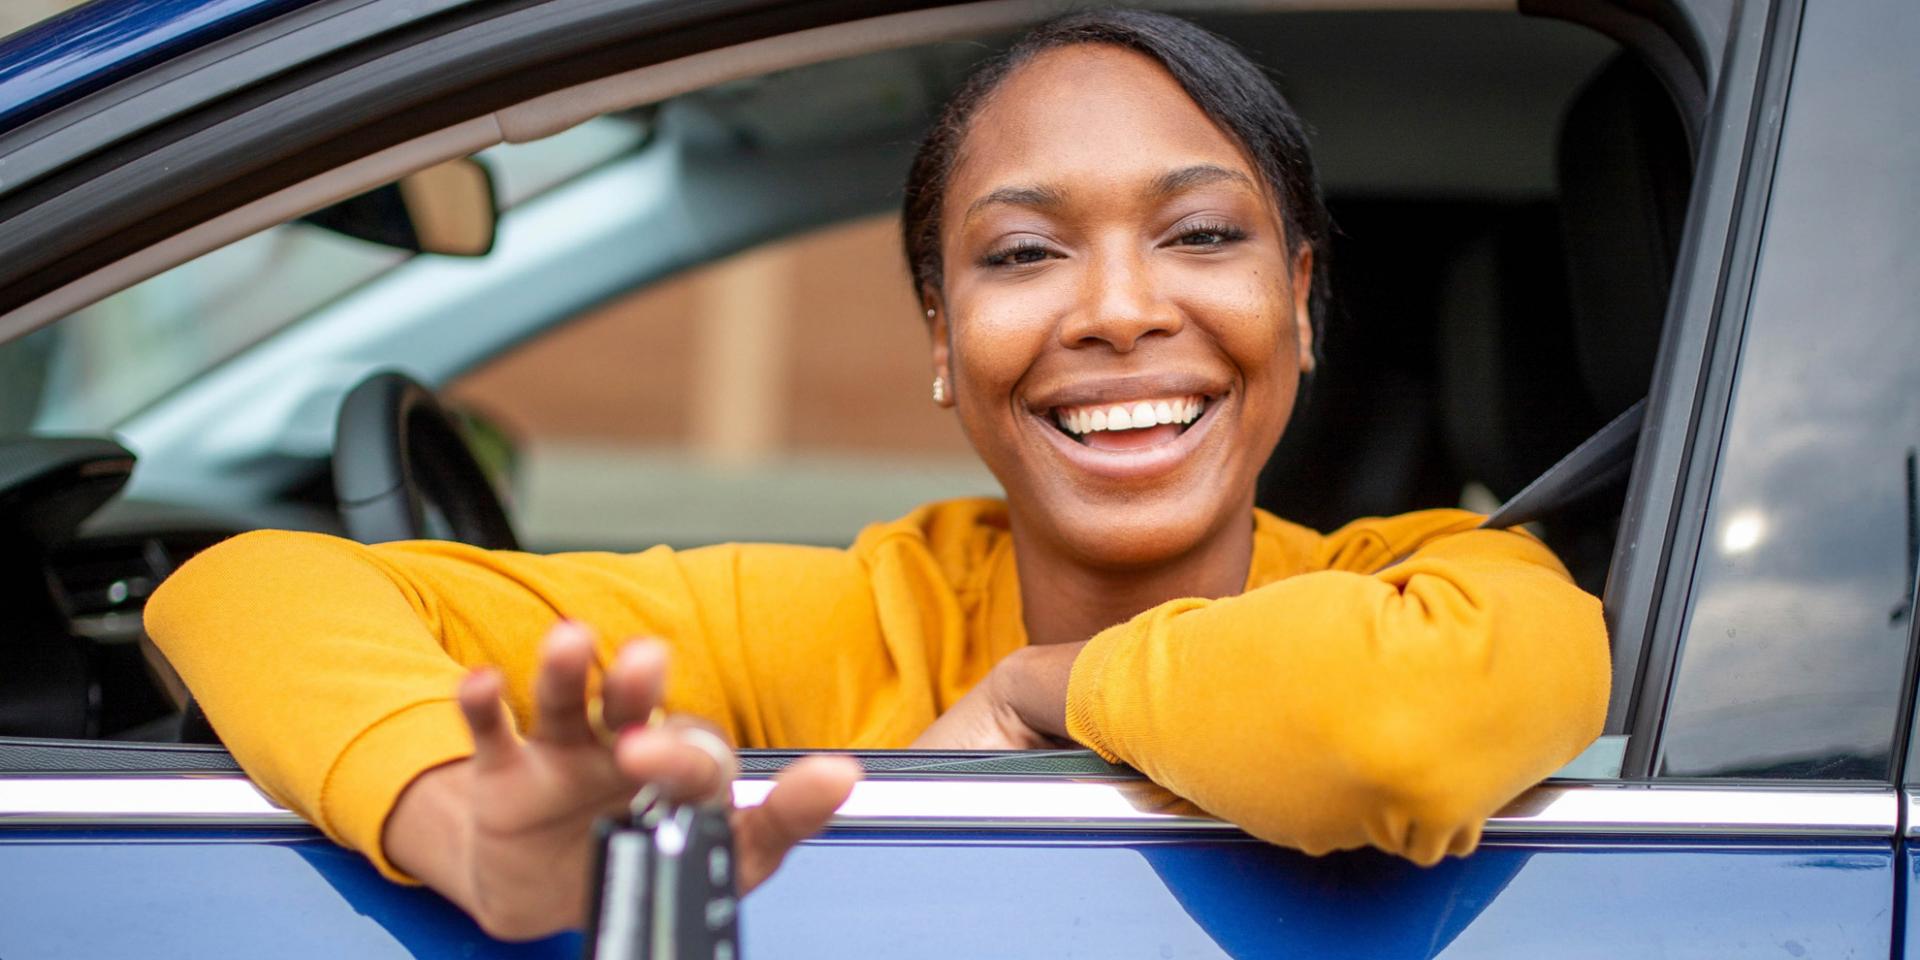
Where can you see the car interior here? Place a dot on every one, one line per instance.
(1508, 193)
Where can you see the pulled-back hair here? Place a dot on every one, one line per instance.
(1229, 88)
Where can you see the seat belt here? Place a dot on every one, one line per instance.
(1597, 462)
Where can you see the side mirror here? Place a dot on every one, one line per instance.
(448, 209)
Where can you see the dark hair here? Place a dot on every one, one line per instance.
(1229, 88)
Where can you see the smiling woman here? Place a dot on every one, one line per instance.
(1119, 248)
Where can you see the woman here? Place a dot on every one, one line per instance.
(1120, 249)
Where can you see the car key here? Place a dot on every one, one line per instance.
(663, 884)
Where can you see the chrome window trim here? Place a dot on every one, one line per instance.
(1558, 808)
(1910, 812)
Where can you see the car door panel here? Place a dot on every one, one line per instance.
(1082, 896)
(934, 866)
(185, 892)
(292, 893)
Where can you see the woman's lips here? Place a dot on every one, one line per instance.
(1133, 454)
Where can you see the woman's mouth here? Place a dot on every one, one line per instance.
(1131, 425)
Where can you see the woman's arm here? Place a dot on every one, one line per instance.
(333, 672)
(1335, 709)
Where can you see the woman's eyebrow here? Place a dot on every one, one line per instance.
(1037, 197)
(1199, 175)
(1165, 185)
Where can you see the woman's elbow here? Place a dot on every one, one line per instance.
(1427, 784)
(232, 585)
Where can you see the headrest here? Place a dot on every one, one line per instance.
(1625, 173)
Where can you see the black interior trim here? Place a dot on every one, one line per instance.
(38, 756)
(23, 755)
(956, 765)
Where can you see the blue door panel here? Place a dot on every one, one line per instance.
(1909, 923)
(167, 894)
(175, 893)
(1239, 898)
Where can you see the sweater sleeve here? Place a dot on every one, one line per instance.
(330, 668)
(1334, 709)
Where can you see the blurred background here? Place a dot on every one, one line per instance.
(15, 14)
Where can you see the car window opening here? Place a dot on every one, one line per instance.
(1501, 275)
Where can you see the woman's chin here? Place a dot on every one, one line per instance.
(1142, 533)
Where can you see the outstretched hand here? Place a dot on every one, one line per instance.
(506, 833)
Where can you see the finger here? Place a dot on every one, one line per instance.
(493, 742)
(560, 690)
(662, 755)
(803, 799)
(634, 683)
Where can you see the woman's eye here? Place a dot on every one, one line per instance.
(1016, 255)
(1211, 235)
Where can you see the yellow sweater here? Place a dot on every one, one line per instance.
(1338, 702)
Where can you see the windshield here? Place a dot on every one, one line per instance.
(93, 369)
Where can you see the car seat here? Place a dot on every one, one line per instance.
(1551, 318)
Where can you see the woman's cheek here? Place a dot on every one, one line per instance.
(1246, 321)
(999, 338)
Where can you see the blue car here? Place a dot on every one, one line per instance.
(599, 274)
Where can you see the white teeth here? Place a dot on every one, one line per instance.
(1137, 416)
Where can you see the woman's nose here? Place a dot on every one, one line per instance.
(1119, 304)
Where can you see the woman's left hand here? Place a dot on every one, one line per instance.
(1021, 705)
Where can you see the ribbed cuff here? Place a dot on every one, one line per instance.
(1086, 694)
(377, 766)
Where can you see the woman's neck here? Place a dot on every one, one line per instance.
(1065, 600)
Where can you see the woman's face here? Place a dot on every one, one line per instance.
(1108, 254)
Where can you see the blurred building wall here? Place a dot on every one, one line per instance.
(18, 14)
(814, 344)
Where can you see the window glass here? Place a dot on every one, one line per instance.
(1795, 650)
(768, 396)
(106, 362)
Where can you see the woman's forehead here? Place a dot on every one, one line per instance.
(1088, 116)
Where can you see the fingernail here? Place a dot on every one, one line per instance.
(568, 632)
(642, 653)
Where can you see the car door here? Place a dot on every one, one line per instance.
(1703, 844)
(1755, 814)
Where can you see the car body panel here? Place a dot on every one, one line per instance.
(1908, 929)
(84, 49)
(291, 893)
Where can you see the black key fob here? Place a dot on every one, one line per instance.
(662, 886)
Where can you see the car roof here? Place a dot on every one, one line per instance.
(65, 57)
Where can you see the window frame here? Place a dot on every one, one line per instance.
(1664, 520)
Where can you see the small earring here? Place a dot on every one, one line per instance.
(929, 313)
(939, 390)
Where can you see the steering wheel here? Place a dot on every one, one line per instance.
(402, 472)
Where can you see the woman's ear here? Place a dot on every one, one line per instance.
(1303, 305)
(939, 338)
